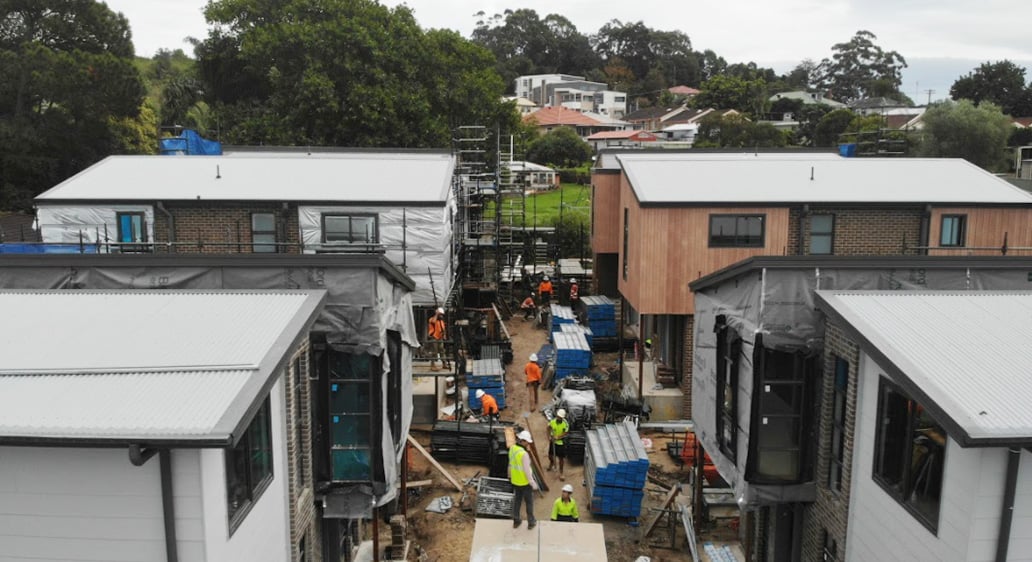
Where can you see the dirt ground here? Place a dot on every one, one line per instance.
(449, 537)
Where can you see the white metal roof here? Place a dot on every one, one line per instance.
(141, 364)
(969, 352)
(412, 178)
(786, 178)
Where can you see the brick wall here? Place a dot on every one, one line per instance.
(861, 232)
(829, 513)
(219, 229)
(688, 356)
(303, 520)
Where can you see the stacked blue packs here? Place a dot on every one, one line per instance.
(615, 469)
(601, 313)
(487, 375)
(572, 354)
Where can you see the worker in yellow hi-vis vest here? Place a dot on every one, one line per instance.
(565, 507)
(522, 478)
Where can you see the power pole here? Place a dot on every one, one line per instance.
(929, 92)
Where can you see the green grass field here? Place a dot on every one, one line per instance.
(575, 200)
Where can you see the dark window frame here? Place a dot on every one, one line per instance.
(729, 353)
(255, 233)
(958, 238)
(822, 235)
(372, 379)
(837, 435)
(244, 478)
(902, 490)
(135, 245)
(350, 217)
(737, 240)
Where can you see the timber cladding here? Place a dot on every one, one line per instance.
(668, 247)
(223, 228)
(605, 213)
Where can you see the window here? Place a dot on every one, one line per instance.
(838, 425)
(249, 466)
(829, 548)
(299, 421)
(132, 229)
(736, 231)
(350, 229)
(953, 230)
(620, 99)
(779, 428)
(729, 350)
(626, 236)
(352, 399)
(908, 454)
(822, 238)
(263, 233)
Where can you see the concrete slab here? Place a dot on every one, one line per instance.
(494, 540)
(666, 403)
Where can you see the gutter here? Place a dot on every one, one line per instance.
(1007, 510)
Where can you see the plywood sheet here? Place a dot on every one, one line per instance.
(494, 540)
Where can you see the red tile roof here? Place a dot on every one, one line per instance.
(1023, 121)
(683, 91)
(558, 115)
(642, 136)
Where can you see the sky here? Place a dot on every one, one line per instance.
(940, 39)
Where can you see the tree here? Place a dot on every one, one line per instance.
(68, 91)
(735, 131)
(831, 125)
(728, 92)
(1002, 83)
(860, 69)
(559, 147)
(652, 56)
(976, 133)
(343, 73)
(801, 77)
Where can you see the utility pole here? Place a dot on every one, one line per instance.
(929, 92)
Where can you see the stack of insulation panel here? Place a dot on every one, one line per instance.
(576, 329)
(615, 468)
(561, 315)
(487, 375)
(601, 313)
(572, 355)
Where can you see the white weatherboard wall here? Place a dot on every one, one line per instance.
(425, 233)
(972, 494)
(264, 534)
(79, 504)
(63, 223)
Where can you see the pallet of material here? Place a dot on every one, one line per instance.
(494, 498)
(615, 469)
(572, 351)
(561, 315)
(485, 372)
(577, 329)
(601, 314)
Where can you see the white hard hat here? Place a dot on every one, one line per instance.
(546, 278)
(440, 310)
(568, 488)
(533, 357)
(525, 436)
(561, 413)
(480, 393)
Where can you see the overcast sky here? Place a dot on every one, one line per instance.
(941, 39)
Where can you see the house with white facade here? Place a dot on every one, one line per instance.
(399, 203)
(153, 425)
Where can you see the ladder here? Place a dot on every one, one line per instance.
(511, 218)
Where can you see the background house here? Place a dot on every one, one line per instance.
(399, 203)
(714, 209)
(586, 124)
(200, 381)
(617, 139)
(534, 177)
(358, 365)
(775, 387)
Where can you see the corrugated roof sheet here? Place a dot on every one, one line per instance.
(137, 405)
(416, 178)
(785, 178)
(101, 331)
(968, 351)
(141, 365)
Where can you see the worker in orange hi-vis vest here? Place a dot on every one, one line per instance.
(545, 291)
(435, 332)
(574, 293)
(533, 372)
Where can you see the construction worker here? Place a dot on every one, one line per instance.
(435, 332)
(488, 404)
(522, 478)
(558, 427)
(565, 508)
(574, 293)
(545, 290)
(533, 372)
(528, 307)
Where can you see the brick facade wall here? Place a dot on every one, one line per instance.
(688, 357)
(303, 521)
(861, 232)
(219, 229)
(830, 512)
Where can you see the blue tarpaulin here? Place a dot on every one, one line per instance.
(189, 143)
(29, 248)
